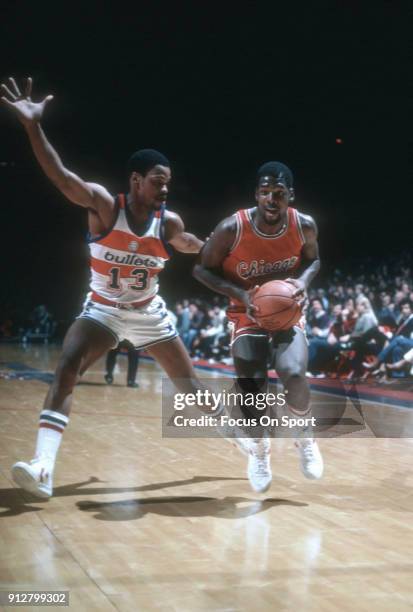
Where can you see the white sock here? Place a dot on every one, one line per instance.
(51, 427)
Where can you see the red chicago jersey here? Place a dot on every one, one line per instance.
(256, 258)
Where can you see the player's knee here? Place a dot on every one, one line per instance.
(68, 370)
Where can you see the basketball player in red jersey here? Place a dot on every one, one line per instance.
(129, 238)
(269, 241)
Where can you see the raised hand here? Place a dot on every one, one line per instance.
(21, 104)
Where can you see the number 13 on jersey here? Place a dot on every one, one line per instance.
(140, 283)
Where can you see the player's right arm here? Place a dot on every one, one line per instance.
(29, 113)
(208, 269)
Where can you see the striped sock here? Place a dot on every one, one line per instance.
(51, 427)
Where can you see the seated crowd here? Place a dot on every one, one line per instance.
(203, 328)
(360, 325)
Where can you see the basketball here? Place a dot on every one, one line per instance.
(278, 310)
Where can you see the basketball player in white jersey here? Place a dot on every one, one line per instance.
(129, 238)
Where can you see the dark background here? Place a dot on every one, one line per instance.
(219, 89)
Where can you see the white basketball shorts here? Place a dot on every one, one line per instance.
(143, 327)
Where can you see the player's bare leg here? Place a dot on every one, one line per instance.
(84, 343)
(173, 357)
(291, 364)
(250, 360)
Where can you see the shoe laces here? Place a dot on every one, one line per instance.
(307, 448)
(261, 457)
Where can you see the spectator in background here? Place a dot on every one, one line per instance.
(385, 314)
(198, 319)
(366, 319)
(221, 348)
(322, 296)
(337, 294)
(399, 298)
(359, 291)
(337, 323)
(323, 351)
(401, 342)
(183, 321)
(371, 296)
(349, 316)
(318, 321)
(209, 335)
(365, 335)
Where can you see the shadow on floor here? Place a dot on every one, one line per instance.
(16, 501)
(194, 507)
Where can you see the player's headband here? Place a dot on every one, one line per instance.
(274, 180)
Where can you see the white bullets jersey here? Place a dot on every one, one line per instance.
(125, 266)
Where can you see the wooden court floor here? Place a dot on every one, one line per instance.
(141, 523)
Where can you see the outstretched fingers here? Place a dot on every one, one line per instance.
(10, 94)
(14, 87)
(7, 102)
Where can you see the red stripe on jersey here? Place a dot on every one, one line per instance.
(104, 267)
(121, 240)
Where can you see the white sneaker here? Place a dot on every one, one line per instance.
(259, 465)
(311, 461)
(33, 477)
(258, 451)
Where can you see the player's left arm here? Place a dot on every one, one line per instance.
(175, 234)
(310, 258)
